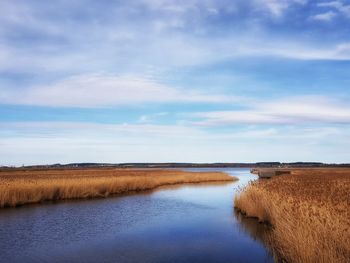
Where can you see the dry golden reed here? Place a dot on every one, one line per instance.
(18, 187)
(309, 212)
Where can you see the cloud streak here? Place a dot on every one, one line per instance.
(327, 16)
(285, 111)
(99, 90)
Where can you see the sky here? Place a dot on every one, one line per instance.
(174, 81)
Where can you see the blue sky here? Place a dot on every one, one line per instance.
(177, 81)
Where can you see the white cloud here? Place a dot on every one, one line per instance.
(152, 117)
(277, 7)
(99, 90)
(160, 55)
(338, 5)
(327, 16)
(297, 51)
(343, 49)
(285, 111)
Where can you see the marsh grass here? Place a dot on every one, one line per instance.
(309, 212)
(18, 187)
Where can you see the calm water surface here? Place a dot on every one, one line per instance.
(191, 223)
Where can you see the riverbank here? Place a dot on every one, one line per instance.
(309, 211)
(24, 186)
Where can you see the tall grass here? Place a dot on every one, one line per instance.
(18, 187)
(309, 212)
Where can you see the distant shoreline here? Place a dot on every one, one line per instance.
(181, 165)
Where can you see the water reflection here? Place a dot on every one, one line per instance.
(178, 186)
(258, 231)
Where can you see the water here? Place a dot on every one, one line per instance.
(189, 223)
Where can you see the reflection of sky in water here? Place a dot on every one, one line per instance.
(179, 224)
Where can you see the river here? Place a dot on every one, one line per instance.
(184, 223)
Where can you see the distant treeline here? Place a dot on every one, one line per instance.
(184, 165)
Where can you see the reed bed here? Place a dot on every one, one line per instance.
(18, 187)
(309, 212)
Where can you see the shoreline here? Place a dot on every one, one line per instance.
(21, 187)
(308, 211)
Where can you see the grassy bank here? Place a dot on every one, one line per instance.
(309, 211)
(18, 187)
